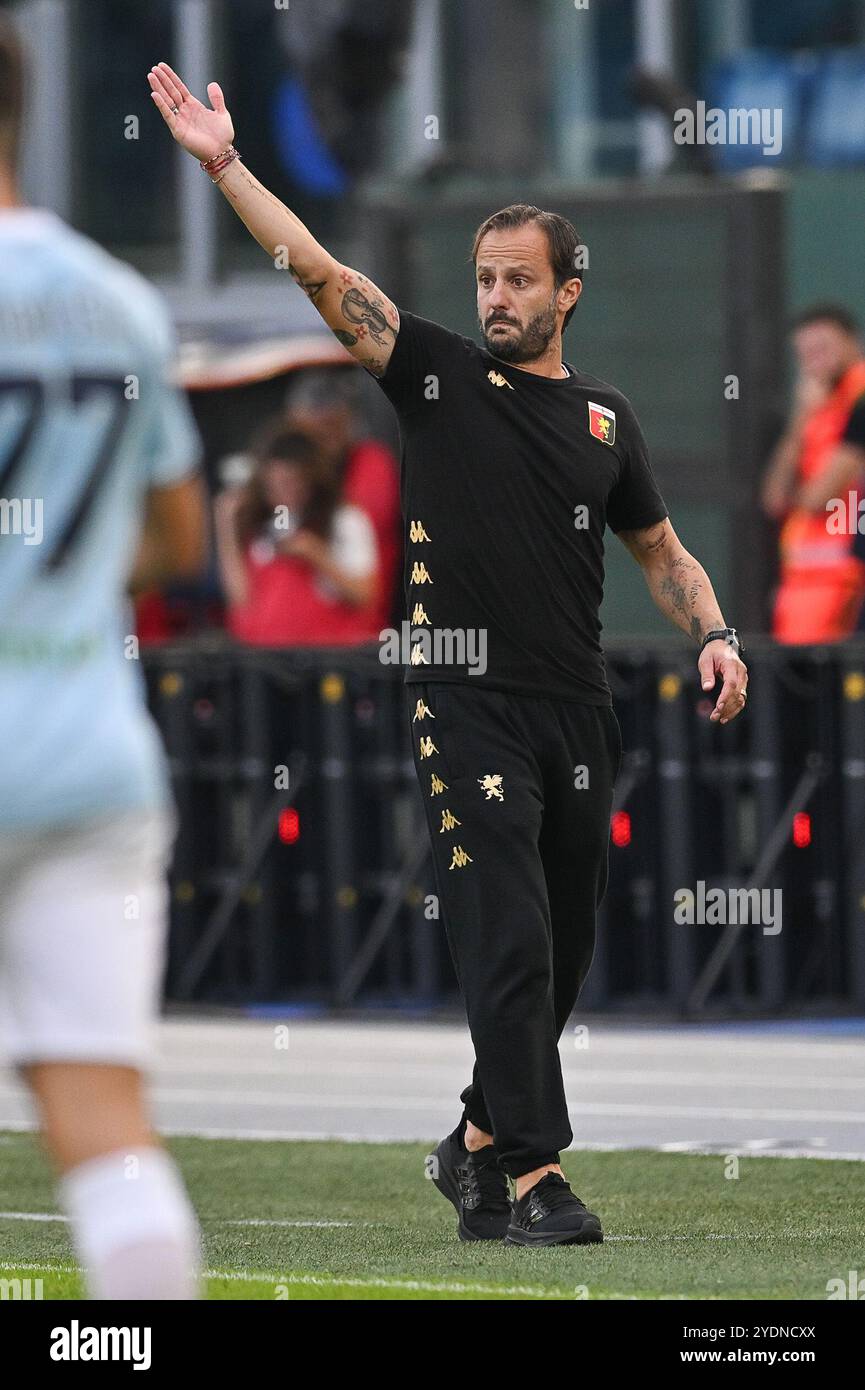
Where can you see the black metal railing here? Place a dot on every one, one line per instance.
(302, 874)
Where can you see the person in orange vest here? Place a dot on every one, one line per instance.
(818, 461)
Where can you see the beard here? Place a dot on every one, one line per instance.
(523, 344)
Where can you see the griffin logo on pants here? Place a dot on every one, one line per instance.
(492, 785)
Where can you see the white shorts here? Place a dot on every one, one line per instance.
(83, 926)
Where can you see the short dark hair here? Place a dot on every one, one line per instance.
(564, 240)
(276, 443)
(827, 313)
(11, 91)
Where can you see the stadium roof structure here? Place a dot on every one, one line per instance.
(214, 364)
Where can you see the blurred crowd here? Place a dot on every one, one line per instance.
(306, 526)
(307, 532)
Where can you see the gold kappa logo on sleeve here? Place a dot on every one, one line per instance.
(437, 786)
(449, 820)
(421, 711)
(427, 747)
(417, 532)
(498, 380)
(420, 574)
(419, 616)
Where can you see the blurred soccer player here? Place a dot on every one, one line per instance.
(92, 439)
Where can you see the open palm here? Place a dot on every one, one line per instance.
(200, 130)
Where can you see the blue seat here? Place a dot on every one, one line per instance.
(302, 152)
(763, 79)
(835, 134)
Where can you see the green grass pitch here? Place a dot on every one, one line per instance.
(303, 1220)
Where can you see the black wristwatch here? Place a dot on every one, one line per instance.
(726, 634)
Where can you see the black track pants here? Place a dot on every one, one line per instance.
(518, 791)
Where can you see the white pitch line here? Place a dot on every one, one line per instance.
(335, 1281)
(265, 1221)
(219, 1221)
(416, 1286)
(30, 1216)
(410, 1285)
(41, 1269)
(215, 1220)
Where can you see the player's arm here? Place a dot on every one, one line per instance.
(683, 592)
(173, 542)
(361, 317)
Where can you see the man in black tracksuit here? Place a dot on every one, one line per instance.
(513, 464)
(509, 476)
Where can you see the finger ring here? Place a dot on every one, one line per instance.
(175, 110)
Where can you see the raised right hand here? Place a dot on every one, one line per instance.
(203, 132)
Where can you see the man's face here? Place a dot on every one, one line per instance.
(519, 308)
(824, 351)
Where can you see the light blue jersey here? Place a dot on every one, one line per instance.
(88, 423)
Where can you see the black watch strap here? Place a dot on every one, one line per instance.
(724, 634)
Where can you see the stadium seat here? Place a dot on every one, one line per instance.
(835, 131)
(763, 79)
(302, 152)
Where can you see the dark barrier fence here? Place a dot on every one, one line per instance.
(301, 872)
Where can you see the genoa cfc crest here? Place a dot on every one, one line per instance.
(602, 423)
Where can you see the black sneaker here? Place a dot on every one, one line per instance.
(550, 1214)
(476, 1186)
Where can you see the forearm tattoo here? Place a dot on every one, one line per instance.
(683, 590)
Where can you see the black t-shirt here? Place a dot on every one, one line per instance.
(507, 481)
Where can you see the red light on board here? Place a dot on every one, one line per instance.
(620, 828)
